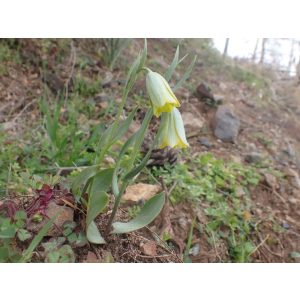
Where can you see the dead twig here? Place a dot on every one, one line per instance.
(23, 110)
(259, 245)
(274, 192)
(164, 245)
(215, 247)
(268, 249)
(155, 256)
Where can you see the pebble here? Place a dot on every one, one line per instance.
(293, 200)
(285, 225)
(205, 142)
(253, 158)
(149, 248)
(183, 222)
(195, 250)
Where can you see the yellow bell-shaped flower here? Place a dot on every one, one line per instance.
(173, 133)
(160, 93)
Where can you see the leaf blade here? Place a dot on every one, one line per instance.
(93, 234)
(173, 65)
(147, 214)
(186, 75)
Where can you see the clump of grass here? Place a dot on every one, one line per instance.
(111, 50)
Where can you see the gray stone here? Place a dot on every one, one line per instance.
(253, 158)
(195, 250)
(226, 124)
(293, 177)
(293, 200)
(285, 225)
(205, 142)
(193, 121)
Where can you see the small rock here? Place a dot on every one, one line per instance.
(183, 222)
(102, 97)
(141, 191)
(240, 192)
(201, 216)
(285, 225)
(236, 159)
(62, 213)
(149, 248)
(291, 220)
(293, 200)
(205, 142)
(203, 91)
(91, 258)
(195, 250)
(293, 177)
(222, 86)
(259, 212)
(192, 121)
(226, 124)
(251, 147)
(109, 160)
(271, 181)
(253, 158)
(290, 151)
(106, 82)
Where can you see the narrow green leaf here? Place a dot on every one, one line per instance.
(139, 168)
(104, 139)
(93, 235)
(126, 145)
(147, 214)
(97, 203)
(186, 75)
(98, 198)
(102, 181)
(144, 55)
(108, 138)
(133, 73)
(189, 243)
(83, 177)
(37, 239)
(123, 127)
(173, 65)
(140, 136)
(121, 44)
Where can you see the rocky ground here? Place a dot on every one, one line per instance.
(251, 122)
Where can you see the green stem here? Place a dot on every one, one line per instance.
(115, 126)
(115, 208)
(140, 139)
(125, 184)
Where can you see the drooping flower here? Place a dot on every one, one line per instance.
(160, 93)
(173, 133)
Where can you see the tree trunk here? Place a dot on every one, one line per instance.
(226, 48)
(263, 48)
(291, 60)
(255, 51)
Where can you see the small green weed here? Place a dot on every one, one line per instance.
(11, 230)
(265, 141)
(216, 182)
